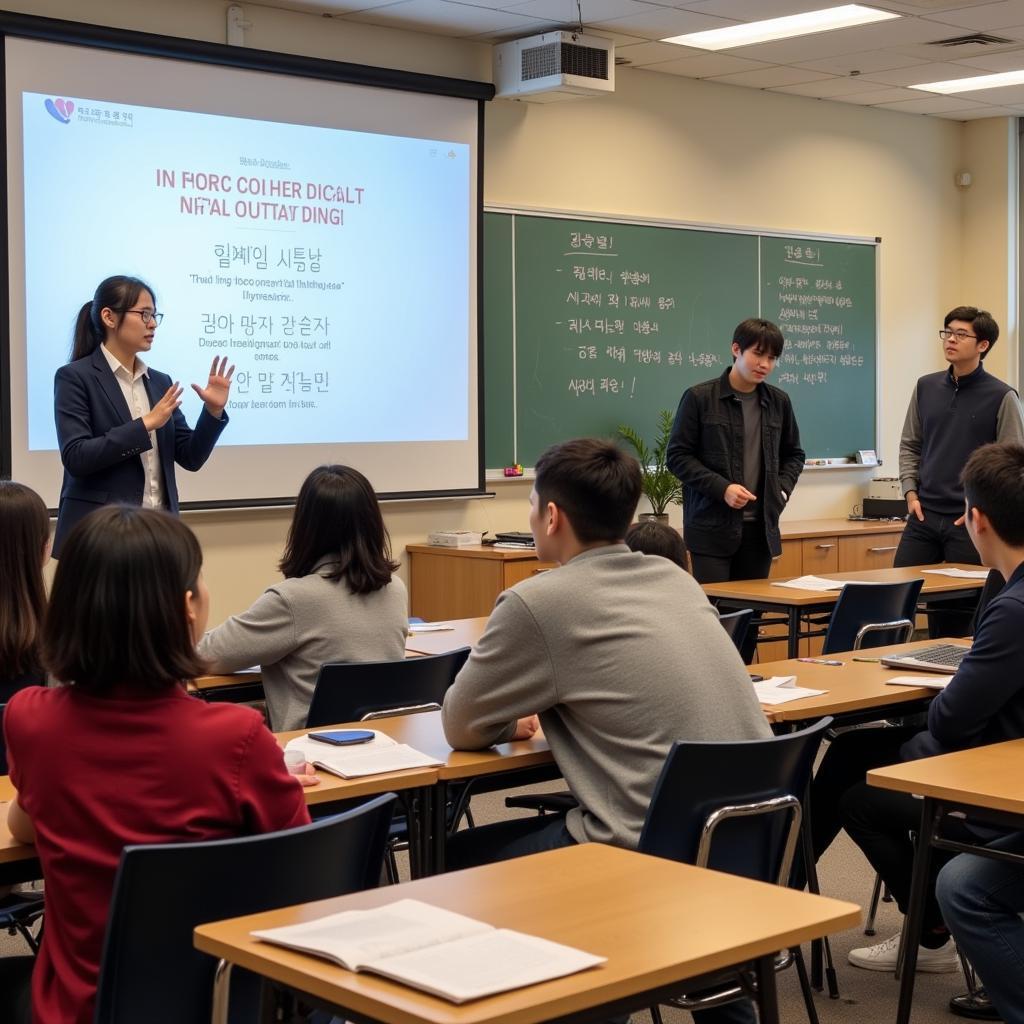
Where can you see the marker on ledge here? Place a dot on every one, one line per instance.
(820, 661)
(516, 470)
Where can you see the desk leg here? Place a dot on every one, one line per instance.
(930, 814)
(420, 804)
(793, 650)
(767, 995)
(439, 828)
(820, 948)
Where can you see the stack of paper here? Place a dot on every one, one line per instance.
(445, 954)
(810, 583)
(430, 627)
(921, 679)
(381, 754)
(782, 689)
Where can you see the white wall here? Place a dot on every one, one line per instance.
(669, 147)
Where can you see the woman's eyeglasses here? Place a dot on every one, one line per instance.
(149, 318)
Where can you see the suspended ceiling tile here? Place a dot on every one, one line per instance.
(647, 52)
(865, 61)
(769, 78)
(931, 105)
(980, 112)
(1011, 94)
(984, 18)
(655, 22)
(826, 88)
(921, 73)
(870, 97)
(706, 65)
(1004, 60)
(443, 17)
(594, 11)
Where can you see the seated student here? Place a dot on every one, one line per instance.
(24, 550)
(618, 653)
(982, 703)
(121, 753)
(650, 537)
(338, 601)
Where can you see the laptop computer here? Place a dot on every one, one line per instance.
(940, 658)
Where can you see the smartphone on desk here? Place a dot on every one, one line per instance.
(342, 737)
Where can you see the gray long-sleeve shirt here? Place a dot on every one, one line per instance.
(300, 623)
(620, 654)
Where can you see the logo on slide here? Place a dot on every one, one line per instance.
(61, 110)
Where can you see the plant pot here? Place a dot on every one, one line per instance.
(648, 517)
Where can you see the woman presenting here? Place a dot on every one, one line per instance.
(119, 427)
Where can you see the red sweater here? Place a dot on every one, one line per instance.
(98, 773)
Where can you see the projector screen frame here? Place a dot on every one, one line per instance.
(71, 33)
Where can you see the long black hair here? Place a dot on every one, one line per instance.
(337, 516)
(118, 293)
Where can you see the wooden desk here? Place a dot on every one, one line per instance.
(465, 633)
(856, 688)
(763, 595)
(626, 906)
(984, 783)
(453, 583)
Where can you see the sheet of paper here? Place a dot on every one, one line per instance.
(781, 690)
(430, 627)
(932, 682)
(313, 749)
(960, 574)
(818, 583)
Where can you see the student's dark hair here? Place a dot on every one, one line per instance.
(653, 538)
(24, 534)
(337, 517)
(993, 482)
(596, 485)
(758, 334)
(982, 323)
(117, 607)
(118, 293)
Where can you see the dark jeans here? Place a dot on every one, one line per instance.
(982, 901)
(518, 837)
(752, 560)
(938, 540)
(879, 821)
(15, 985)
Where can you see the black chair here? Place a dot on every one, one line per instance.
(872, 615)
(362, 691)
(150, 970)
(994, 582)
(734, 807)
(349, 691)
(19, 909)
(738, 626)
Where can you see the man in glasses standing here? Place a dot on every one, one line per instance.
(951, 413)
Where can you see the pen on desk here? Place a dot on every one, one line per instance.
(873, 660)
(820, 661)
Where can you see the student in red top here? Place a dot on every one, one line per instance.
(121, 754)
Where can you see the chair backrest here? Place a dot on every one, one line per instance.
(994, 582)
(3, 743)
(699, 779)
(348, 691)
(150, 970)
(859, 604)
(738, 626)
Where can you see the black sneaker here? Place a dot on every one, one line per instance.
(975, 1005)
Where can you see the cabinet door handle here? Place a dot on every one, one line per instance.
(824, 547)
(890, 547)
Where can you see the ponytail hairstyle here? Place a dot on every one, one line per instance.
(118, 293)
(24, 534)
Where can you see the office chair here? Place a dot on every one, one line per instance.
(150, 970)
(739, 627)
(887, 608)
(734, 807)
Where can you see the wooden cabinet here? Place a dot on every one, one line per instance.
(461, 583)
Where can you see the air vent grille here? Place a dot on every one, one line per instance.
(975, 39)
(564, 59)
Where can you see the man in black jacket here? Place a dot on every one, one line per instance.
(736, 448)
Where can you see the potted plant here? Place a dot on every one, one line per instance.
(660, 486)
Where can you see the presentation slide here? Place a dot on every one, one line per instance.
(333, 263)
(319, 261)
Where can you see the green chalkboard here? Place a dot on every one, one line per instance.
(591, 323)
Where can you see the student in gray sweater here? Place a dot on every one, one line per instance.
(619, 653)
(338, 601)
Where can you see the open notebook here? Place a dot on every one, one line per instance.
(381, 754)
(445, 954)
